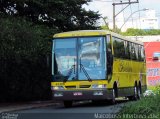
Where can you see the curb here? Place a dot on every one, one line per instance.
(28, 106)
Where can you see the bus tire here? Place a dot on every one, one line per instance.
(113, 100)
(135, 96)
(67, 104)
(139, 92)
(130, 97)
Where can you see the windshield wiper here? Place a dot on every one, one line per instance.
(85, 72)
(69, 73)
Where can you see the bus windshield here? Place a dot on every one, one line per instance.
(79, 59)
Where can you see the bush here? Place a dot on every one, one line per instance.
(147, 106)
(24, 74)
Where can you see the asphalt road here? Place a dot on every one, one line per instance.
(81, 110)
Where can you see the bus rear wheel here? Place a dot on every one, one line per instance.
(136, 93)
(113, 100)
(67, 104)
(139, 92)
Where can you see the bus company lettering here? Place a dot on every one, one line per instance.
(59, 84)
(124, 67)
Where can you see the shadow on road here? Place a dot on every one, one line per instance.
(99, 103)
(79, 110)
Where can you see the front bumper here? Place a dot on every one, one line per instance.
(74, 95)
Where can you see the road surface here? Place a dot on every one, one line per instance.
(81, 110)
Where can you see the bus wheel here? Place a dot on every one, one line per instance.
(130, 97)
(113, 100)
(135, 96)
(139, 93)
(67, 104)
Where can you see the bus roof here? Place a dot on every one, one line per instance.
(80, 33)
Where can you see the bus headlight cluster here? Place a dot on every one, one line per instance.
(57, 88)
(95, 86)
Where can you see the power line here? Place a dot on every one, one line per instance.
(121, 3)
(102, 0)
(123, 13)
(139, 17)
(131, 13)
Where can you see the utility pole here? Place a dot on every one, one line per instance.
(114, 10)
(131, 15)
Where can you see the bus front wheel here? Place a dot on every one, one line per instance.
(67, 104)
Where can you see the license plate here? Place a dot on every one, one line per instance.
(77, 93)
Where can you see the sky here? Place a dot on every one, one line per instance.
(105, 7)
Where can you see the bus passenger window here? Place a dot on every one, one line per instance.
(132, 51)
(127, 53)
(136, 51)
(118, 47)
(140, 53)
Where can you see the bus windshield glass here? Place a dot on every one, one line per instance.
(79, 59)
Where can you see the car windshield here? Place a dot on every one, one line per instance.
(156, 54)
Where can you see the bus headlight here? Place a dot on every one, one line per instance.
(94, 86)
(57, 88)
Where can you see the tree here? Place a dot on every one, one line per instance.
(64, 15)
(25, 44)
(24, 48)
(106, 26)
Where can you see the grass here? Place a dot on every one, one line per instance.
(147, 107)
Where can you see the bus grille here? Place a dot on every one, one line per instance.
(81, 86)
(84, 86)
(70, 87)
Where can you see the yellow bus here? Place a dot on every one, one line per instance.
(96, 65)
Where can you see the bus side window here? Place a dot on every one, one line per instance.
(142, 54)
(139, 53)
(127, 53)
(136, 51)
(132, 51)
(118, 47)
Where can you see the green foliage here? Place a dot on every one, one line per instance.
(157, 90)
(24, 74)
(25, 43)
(140, 32)
(104, 27)
(147, 106)
(65, 15)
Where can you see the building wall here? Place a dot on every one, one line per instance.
(153, 38)
(148, 21)
(153, 66)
